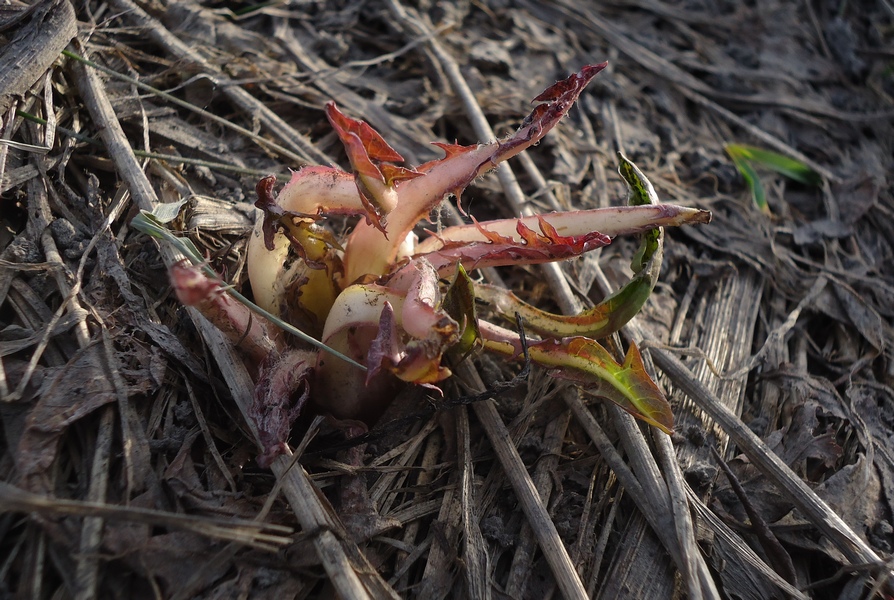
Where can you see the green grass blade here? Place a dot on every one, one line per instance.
(747, 157)
(758, 196)
(789, 167)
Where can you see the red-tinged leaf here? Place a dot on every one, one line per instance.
(359, 306)
(422, 315)
(368, 253)
(369, 155)
(612, 221)
(628, 385)
(500, 250)
(282, 390)
(411, 329)
(532, 238)
(320, 191)
(273, 212)
(615, 310)
(417, 361)
(571, 86)
(383, 349)
(494, 237)
(375, 146)
(376, 195)
(588, 364)
(394, 174)
(311, 192)
(251, 333)
(598, 322)
(373, 212)
(421, 364)
(414, 361)
(450, 151)
(548, 230)
(361, 162)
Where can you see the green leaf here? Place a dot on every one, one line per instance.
(791, 168)
(641, 193)
(586, 363)
(747, 157)
(459, 302)
(758, 196)
(153, 224)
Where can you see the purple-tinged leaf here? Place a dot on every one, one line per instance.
(411, 329)
(612, 221)
(526, 248)
(281, 392)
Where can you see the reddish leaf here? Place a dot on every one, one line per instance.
(500, 250)
(585, 362)
(250, 332)
(373, 145)
(368, 252)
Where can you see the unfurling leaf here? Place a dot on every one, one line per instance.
(376, 296)
(369, 252)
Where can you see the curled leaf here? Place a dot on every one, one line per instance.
(627, 385)
(370, 154)
(459, 302)
(410, 327)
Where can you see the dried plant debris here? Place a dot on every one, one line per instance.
(129, 457)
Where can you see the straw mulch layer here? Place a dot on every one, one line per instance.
(128, 469)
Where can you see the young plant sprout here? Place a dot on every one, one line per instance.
(380, 298)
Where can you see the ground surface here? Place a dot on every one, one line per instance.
(128, 466)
